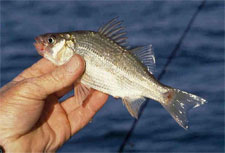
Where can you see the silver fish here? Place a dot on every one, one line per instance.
(116, 70)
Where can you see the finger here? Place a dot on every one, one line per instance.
(41, 67)
(63, 91)
(79, 117)
(71, 104)
(63, 76)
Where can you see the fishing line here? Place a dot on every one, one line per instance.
(169, 60)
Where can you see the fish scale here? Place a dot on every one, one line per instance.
(125, 68)
(114, 69)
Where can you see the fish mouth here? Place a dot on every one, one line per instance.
(39, 45)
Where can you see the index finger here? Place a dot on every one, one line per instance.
(80, 116)
(39, 68)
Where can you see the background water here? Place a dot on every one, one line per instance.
(198, 67)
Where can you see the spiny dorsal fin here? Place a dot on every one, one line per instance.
(115, 31)
(146, 55)
(133, 104)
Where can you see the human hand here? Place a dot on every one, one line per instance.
(31, 117)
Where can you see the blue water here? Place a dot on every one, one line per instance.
(198, 67)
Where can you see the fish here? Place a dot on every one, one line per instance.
(114, 68)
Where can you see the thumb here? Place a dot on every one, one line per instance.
(59, 78)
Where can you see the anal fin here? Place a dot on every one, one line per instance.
(133, 105)
(81, 93)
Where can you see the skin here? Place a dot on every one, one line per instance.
(31, 117)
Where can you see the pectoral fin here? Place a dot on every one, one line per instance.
(133, 105)
(81, 93)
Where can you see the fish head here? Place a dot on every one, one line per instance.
(56, 47)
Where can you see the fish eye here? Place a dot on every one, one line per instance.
(51, 40)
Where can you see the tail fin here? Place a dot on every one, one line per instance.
(178, 102)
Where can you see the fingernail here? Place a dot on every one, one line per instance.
(73, 64)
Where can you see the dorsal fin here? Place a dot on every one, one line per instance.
(115, 31)
(146, 55)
